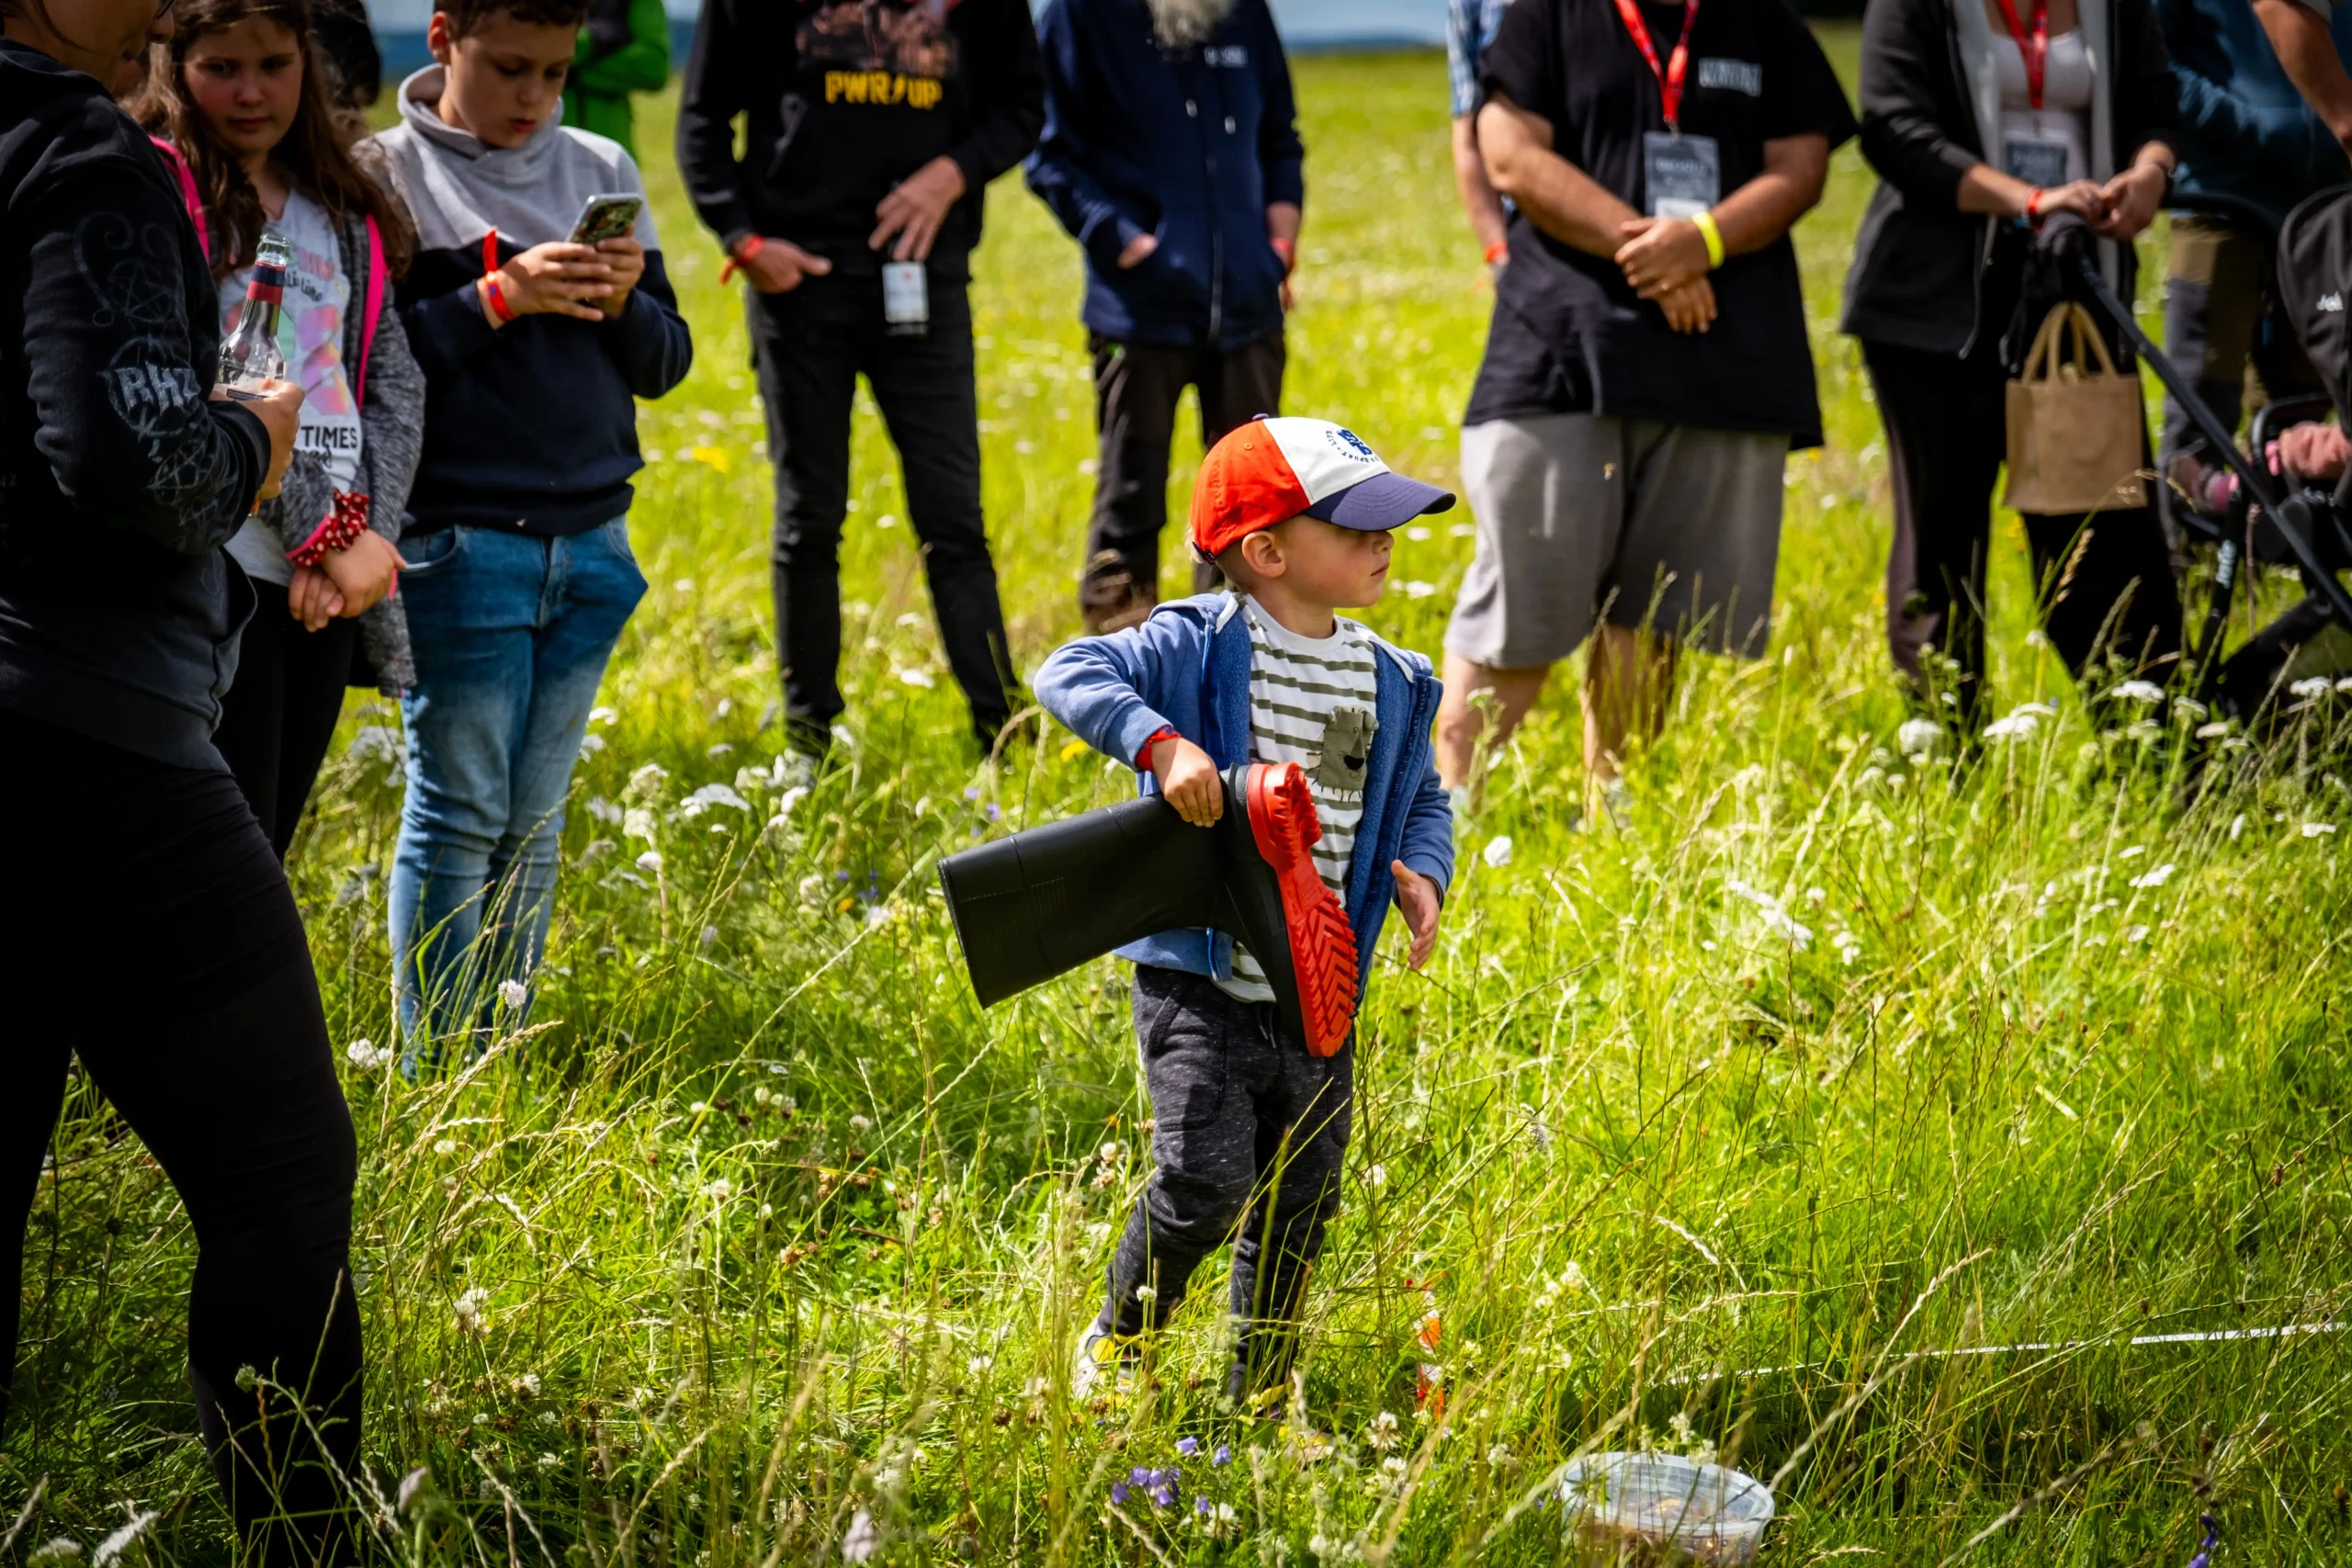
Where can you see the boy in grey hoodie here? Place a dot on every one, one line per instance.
(520, 575)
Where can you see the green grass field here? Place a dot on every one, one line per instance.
(1716, 1133)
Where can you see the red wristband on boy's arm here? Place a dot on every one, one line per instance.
(1288, 250)
(744, 249)
(493, 296)
(1143, 757)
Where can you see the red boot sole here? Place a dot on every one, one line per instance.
(1322, 945)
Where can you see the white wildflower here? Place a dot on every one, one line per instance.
(2212, 732)
(636, 822)
(2146, 692)
(861, 1124)
(858, 1545)
(1378, 1176)
(528, 1385)
(877, 917)
(444, 1147)
(512, 995)
(2314, 829)
(650, 861)
(1498, 1457)
(550, 1461)
(2237, 827)
(1146, 1294)
(2155, 876)
(712, 795)
(604, 810)
(1918, 737)
(469, 1309)
(589, 746)
(58, 1550)
(1497, 852)
(1776, 918)
(718, 1191)
(1413, 588)
(2137, 933)
(648, 779)
(115, 1545)
(2312, 686)
(2016, 727)
(369, 1057)
(2189, 707)
(813, 889)
(1382, 1434)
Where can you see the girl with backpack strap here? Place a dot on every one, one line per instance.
(245, 101)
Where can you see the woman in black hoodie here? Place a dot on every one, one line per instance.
(1982, 118)
(144, 924)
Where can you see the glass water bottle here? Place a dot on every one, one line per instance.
(250, 354)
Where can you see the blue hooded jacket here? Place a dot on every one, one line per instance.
(1187, 667)
(2245, 132)
(1189, 147)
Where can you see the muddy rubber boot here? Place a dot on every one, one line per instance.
(1041, 903)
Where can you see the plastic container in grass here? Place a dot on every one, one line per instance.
(1626, 1509)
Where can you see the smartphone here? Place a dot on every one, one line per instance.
(606, 217)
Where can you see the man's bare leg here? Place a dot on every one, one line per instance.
(1461, 726)
(1628, 684)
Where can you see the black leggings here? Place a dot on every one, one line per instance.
(147, 928)
(280, 716)
(2106, 582)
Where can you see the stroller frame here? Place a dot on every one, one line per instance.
(2289, 515)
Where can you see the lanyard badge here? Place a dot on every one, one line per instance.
(1678, 65)
(2034, 47)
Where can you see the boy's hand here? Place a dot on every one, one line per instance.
(553, 279)
(915, 207)
(1189, 781)
(626, 259)
(1417, 899)
(778, 265)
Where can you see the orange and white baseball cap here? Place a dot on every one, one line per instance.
(1272, 470)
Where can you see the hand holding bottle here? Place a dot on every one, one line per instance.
(278, 406)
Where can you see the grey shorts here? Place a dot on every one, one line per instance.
(1668, 527)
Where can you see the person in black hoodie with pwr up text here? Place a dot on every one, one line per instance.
(145, 925)
(872, 127)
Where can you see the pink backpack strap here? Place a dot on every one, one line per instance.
(374, 310)
(178, 166)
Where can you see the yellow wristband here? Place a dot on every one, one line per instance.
(1706, 223)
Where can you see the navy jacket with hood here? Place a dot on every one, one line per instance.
(1191, 147)
(2246, 131)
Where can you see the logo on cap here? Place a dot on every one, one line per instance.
(1349, 445)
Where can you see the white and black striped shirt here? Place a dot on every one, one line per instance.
(1312, 701)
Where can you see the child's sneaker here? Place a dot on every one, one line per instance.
(1322, 943)
(1102, 1354)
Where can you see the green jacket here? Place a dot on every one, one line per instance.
(596, 97)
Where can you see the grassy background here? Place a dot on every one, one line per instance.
(771, 1228)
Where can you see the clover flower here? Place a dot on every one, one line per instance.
(859, 1544)
(512, 995)
(469, 1312)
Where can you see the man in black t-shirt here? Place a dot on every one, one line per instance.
(1647, 369)
(871, 127)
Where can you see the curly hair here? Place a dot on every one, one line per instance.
(318, 147)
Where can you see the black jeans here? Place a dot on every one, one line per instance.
(147, 928)
(1248, 1132)
(279, 717)
(811, 343)
(2105, 582)
(1136, 388)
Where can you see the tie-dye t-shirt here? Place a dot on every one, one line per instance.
(310, 333)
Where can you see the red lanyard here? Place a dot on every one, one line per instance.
(2035, 49)
(1678, 65)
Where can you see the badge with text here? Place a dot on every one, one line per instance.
(2037, 160)
(1682, 173)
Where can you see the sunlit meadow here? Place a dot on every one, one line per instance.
(1744, 1129)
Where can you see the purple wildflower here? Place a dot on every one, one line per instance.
(2205, 1553)
(972, 792)
(1118, 1492)
(1223, 1456)
(1164, 1496)
(1201, 1503)
(1140, 1476)
(996, 812)
(1188, 1446)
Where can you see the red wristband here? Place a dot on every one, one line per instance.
(1143, 756)
(745, 249)
(2033, 205)
(494, 296)
(1288, 250)
(1498, 251)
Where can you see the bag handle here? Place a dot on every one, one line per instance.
(2045, 346)
(2085, 328)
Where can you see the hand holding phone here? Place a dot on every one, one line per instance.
(605, 217)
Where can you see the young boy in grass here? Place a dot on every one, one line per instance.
(1249, 1128)
(520, 576)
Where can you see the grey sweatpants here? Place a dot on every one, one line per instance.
(1248, 1133)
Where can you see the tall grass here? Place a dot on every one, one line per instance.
(760, 1244)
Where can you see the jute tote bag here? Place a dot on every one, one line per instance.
(2077, 436)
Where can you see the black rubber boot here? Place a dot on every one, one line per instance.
(1042, 902)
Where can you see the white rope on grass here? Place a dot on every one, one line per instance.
(2208, 1336)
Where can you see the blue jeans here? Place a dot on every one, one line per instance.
(511, 635)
